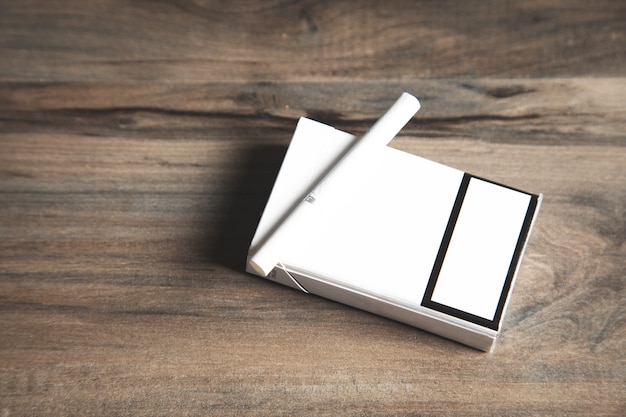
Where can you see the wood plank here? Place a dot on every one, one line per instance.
(125, 213)
(321, 40)
(542, 112)
(139, 141)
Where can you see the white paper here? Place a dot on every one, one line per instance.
(481, 249)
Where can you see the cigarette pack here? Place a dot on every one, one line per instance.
(405, 237)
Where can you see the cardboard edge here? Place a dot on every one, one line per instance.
(483, 341)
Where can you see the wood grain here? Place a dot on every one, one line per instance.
(134, 165)
(309, 40)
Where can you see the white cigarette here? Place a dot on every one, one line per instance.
(268, 255)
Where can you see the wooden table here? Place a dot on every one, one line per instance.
(138, 144)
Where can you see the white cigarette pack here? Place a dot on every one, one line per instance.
(408, 238)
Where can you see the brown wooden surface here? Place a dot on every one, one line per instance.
(138, 144)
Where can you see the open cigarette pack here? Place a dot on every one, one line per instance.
(394, 234)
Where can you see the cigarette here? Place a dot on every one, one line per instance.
(268, 255)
